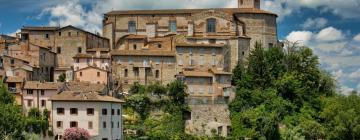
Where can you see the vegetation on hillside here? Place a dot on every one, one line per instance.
(285, 95)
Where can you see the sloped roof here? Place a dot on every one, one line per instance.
(84, 87)
(91, 67)
(189, 11)
(39, 85)
(14, 79)
(200, 45)
(142, 53)
(40, 28)
(83, 97)
(81, 55)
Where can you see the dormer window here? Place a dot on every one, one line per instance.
(132, 26)
(211, 25)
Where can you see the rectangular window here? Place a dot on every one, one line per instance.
(112, 111)
(59, 124)
(59, 33)
(43, 103)
(132, 26)
(180, 62)
(112, 124)
(12, 61)
(80, 74)
(126, 73)
(104, 124)
(104, 111)
(213, 61)
(30, 91)
(136, 72)
(118, 111)
(90, 111)
(60, 111)
(271, 45)
(42, 92)
(73, 111)
(118, 125)
(157, 74)
(130, 61)
(172, 25)
(90, 125)
(211, 25)
(73, 124)
(47, 36)
(69, 34)
(98, 74)
(58, 50)
(29, 103)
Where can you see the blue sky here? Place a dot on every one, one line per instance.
(330, 27)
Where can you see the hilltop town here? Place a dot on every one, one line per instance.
(83, 79)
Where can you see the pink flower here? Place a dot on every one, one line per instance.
(75, 133)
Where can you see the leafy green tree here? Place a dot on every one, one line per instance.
(177, 92)
(140, 103)
(5, 96)
(62, 77)
(11, 122)
(157, 89)
(137, 89)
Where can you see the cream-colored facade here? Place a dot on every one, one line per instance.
(162, 45)
(101, 117)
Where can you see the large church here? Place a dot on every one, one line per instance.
(200, 46)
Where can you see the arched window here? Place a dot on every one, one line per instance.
(211, 25)
(132, 26)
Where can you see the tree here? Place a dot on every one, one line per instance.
(11, 122)
(157, 89)
(137, 89)
(140, 103)
(5, 96)
(177, 92)
(62, 77)
(75, 133)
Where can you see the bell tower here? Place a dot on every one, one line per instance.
(249, 4)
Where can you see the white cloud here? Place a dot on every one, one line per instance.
(345, 9)
(302, 37)
(357, 38)
(355, 74)
(346, 90)
(314, 23)
(14, 33)
(330, 34)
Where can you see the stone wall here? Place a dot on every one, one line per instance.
(207, 118)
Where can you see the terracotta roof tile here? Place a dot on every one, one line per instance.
(142, 53)
(39, 85)
(40, 28)
(14, 79)
(189, 11)
(200, 45)
(83, 97)
(85, 87)
(81, 55)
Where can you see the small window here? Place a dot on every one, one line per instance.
(80, 74)
(30, 91)
(59, 33)
(59, 124)
(90, 111)
(69, 34)
(243, 53)
(211, 25)
(73, 124)
(60, 111)
(132, 26)
(77, 33)
(104, 111)
(90, 125)
(159, 46)
(12, 61)
(47, 36)
(98, 74)
(112, 111)
(172, 25)
(104, 124)
(29, 103)
(43, 103)
(73, 111)
(42, 92)
(58, 50)
(112, 124)
(157, 74)
(79, 49)
(271, 45)
(118, 125)
(77, 60)
(126, 73)
(134, 47)
(118, 111)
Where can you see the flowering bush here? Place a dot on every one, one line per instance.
(76, 134)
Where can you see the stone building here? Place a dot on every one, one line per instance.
(101, 115)
(200, 46)
(66, 42)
